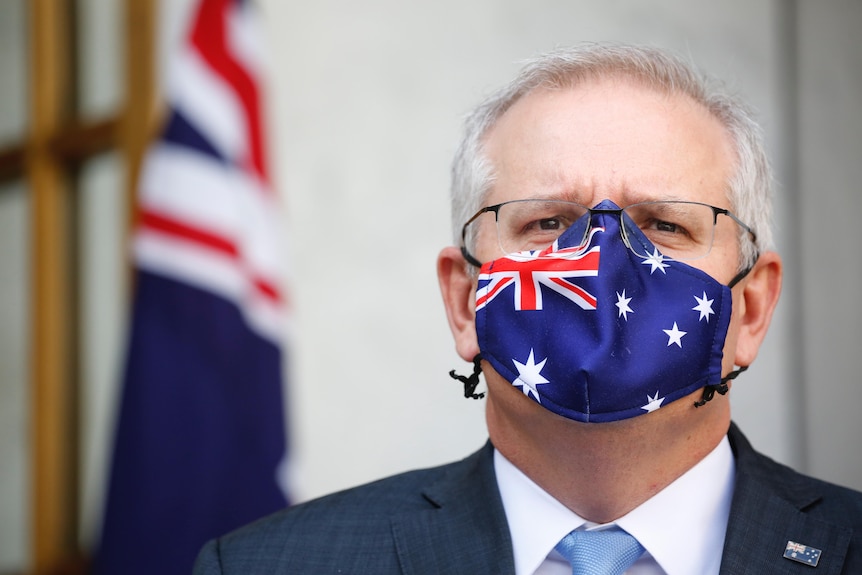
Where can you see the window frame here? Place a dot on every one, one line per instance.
(48, 158)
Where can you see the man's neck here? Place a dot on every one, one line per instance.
(603, 471)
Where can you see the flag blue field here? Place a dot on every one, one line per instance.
(200, 445)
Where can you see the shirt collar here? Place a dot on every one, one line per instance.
(682, 526)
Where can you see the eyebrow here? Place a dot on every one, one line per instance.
(628, 194)
(635, 196)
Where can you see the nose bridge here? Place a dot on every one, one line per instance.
(597, 215)
(606, 206)
(601, 211)
(613, 219)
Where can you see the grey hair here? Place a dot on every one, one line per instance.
(749, 190)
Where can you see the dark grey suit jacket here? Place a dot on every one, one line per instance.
(450, 519)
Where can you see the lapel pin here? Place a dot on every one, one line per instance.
(802, 553)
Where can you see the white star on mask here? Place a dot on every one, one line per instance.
(623, 305)
(653, 403)
(656, 260)
(674, 335)
(529, 375)
(704, 306)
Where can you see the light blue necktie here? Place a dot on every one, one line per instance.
(603, 552)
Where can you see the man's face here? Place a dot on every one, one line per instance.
(610, 140)
(619, 141)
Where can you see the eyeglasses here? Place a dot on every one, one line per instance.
(680, 230)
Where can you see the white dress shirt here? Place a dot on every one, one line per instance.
(682, 527)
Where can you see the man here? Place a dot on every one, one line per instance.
(613, 276)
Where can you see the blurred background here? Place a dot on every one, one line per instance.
(363, 107)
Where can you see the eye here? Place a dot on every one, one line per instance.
(549, 224)
(555, 223)
(667, 227)
(540, 232)
(534, 224)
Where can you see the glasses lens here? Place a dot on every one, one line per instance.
(527, 225)
(680, 230)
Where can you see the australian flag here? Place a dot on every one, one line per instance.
(802, 553)
(200, 444)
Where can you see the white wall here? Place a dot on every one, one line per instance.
(366, 104)
(829, 265)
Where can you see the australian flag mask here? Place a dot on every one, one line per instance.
(593, 332)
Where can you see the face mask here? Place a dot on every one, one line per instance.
(595, 333)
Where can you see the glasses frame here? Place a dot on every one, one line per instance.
(716, 211)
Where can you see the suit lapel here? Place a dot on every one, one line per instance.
(464, 530)
(768, 511)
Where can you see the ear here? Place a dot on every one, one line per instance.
(458, 289)
(760, 291)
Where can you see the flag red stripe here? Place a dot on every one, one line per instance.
(586, 296)
(266, 288)
(209, 36)
(529, 297)
(165, 224)
(588, 262)
(490, 295)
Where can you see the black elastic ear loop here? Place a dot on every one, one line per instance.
(721, 388)
(471, 382)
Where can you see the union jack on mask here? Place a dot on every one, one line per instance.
(595, 333)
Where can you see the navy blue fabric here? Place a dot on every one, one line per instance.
(200, 431)
(180, 132)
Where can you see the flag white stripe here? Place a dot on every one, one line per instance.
(209, 103)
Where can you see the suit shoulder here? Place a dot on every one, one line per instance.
(836, 503)
(364, 511)
(825, 499)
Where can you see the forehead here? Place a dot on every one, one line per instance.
(609, 139)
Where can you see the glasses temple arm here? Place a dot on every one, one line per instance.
(469, 257)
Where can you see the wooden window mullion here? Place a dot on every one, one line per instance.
(53, 430)
(56, 146)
